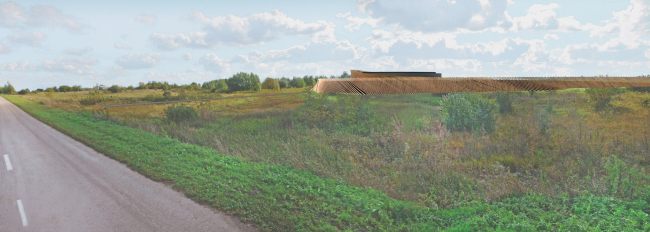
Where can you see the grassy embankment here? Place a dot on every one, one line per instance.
(277, 197)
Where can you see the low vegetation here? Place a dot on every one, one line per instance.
(276, 197)
(572, 160)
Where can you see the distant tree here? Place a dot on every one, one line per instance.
(130, 87)
(271, 83)
(309, 80)
(23, 92)
(284, 82)
(297, 82)
(114, 89)
(8, 89)
(244, 81)
(345, 75)
(215, 85)
(65, 88)
(76, 88)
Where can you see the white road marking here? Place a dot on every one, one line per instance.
(8, 163)
(22, 212)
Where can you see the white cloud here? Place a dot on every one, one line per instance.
(189, 75)
(437, 16)
(68, 65)
(13, 15)
(72, 65)
(187, 56)
(122, 46)
(79, 52)
(178, 40)
(306, 53)
(32, 38)
(116, 71)
(631, 25)
(212, 62)
(20, 66)
(4, 49)
(238, 31)
(355, 23)
(550, 36)
(149, 20)
(139, 60)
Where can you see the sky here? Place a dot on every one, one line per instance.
(87, 42)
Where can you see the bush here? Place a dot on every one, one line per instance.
(244, 81)
(271, 83)
(346, 113)
(215, 85)
(468, 112)
(505, 102)
(601, 97)
(639, 89)
(180, 113)
(23, 92)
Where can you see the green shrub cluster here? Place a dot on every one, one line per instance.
(343, 112)
(181, 113)
(468, 112)
(601, 97)
(505, 102)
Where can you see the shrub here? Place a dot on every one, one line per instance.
(271, 83)
(505, 102)
(180, 113)
(601, 97)
(23, 92)
(468, 112)
(345, 113)
(244, 81)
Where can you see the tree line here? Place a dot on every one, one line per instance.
(238, 82)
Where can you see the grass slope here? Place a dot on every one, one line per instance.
(280, 198)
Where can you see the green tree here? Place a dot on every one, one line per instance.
(244, 81)
(284, 82)
(65, 88)
(114, 89)
(8, 89)
(23, 92)
(297, 82)
(271, 83)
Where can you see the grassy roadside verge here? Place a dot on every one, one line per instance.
(279, 198)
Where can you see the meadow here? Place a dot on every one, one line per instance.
(553, 156)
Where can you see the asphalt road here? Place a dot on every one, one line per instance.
(50, 182)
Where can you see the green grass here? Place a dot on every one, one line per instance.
(281, 198)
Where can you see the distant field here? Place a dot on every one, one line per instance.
(398, 145)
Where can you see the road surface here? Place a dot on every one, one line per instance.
(50, 182)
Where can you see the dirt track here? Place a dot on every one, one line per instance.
(63, 185)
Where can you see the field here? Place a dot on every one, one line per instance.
(554, 163)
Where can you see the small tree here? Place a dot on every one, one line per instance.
(505, 102)
(271, 83)
(23, 92)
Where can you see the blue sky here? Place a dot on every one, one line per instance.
(48, 43)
